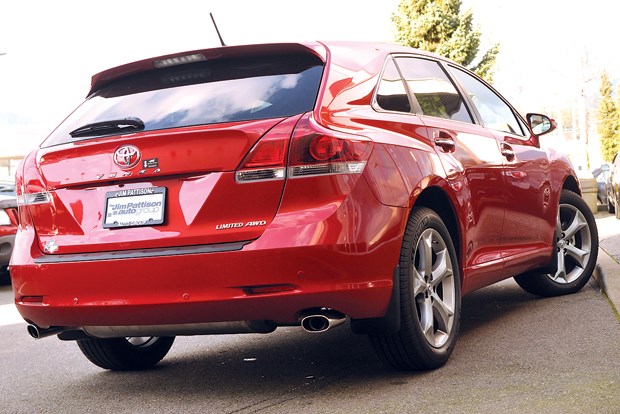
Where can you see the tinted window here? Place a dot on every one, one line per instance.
(210, 92)
(433, 89)
(495, 113)
(392, 95)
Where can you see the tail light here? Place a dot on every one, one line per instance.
(316, 150)
(30, 190)
(267, 160)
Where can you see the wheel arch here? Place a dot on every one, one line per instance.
(439, 201)
(571, 184)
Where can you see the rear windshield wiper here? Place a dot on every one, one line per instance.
(107, 127)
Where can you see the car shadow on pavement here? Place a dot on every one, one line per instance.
(266, 369)
(498, 301)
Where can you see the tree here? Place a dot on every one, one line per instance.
(608, 120)
(438, 26)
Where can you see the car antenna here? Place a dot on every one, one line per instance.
(216, 29)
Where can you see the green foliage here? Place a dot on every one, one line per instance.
(438, 26)
(608, 120)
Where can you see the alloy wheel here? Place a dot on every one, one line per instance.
(434, 287)
(573, 243)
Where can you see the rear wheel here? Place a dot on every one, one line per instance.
(126, 354)
(610, 205)
(430, 297)
(576, 251)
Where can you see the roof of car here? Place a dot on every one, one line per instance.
(321, 49)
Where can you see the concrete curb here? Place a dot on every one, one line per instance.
(607, 274)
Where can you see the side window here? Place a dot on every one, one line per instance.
(433, 89)
(392, 95)
(495, 113)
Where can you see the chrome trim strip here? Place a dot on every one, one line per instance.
(140, 254)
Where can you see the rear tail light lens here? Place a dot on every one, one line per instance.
(316, 150)
(30, 190)
(32, 199)
(267, 160)
(322, 148)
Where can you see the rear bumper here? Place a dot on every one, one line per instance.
(299, 263)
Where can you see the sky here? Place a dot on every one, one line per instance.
(50, 49)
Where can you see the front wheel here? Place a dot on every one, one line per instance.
(430, 297)
(576, 244)
(126, 354)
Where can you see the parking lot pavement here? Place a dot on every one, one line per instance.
(608, 266)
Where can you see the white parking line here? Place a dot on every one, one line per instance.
(9, 315)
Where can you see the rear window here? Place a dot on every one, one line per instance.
(211, 92)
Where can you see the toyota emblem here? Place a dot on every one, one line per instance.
(127, 156)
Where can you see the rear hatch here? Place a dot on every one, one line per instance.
(151, 159)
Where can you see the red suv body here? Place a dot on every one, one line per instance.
(242, 188)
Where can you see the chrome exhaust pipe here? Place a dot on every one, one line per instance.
(322, 321)
(38, 333)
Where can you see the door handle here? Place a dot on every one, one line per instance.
(444, 140)
(508, 152)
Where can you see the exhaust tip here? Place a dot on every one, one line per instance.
(38, 333)
(322, 320)
(33, 331)
(315, 323)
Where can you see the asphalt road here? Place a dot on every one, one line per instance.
(516, 354)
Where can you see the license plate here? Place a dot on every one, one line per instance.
(135, 207)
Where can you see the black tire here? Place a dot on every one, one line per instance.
(610, 205)
(126, 354)
(576, 251)
(425, 290)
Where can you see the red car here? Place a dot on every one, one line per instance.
(239, 189)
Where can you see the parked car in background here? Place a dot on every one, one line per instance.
(7, 188)
(8, 228)
(613, 187)
(601, 175)
(243, 188)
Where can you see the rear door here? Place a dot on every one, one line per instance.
(472, 160)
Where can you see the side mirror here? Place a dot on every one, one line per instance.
(540, 124)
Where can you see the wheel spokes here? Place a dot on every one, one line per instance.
(441, 269)
(426, 319)
(561, 272)
(419, 285)
(573, 244)
(443, 314)
(433, 287)
(580, 255)
(425, 251)
(578, 223)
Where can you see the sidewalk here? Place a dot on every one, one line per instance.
(607, 271)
